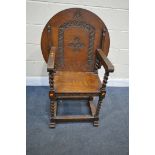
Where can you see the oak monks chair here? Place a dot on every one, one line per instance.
(75, 44)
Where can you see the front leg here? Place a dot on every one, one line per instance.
(101, 97)
(52, 100)
(53, 113)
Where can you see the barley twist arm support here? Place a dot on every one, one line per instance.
(51, 70)
(108, 68)
(102, 93)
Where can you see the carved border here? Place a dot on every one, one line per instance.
(80, 24)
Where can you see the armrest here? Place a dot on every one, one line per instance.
(105, 61)
(51, 59)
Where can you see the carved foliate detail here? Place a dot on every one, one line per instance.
(76, 44)
(76, 24)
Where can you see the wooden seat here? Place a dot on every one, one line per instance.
(75, 44)
(76, 82)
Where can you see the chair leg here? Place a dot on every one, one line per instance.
(53, 113)
(52, 125)
(101, 97)
(99, 106)
(52, 100)
(96, 122)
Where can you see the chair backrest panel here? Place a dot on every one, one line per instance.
(76, 33)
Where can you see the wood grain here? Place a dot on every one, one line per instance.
(73, 82)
